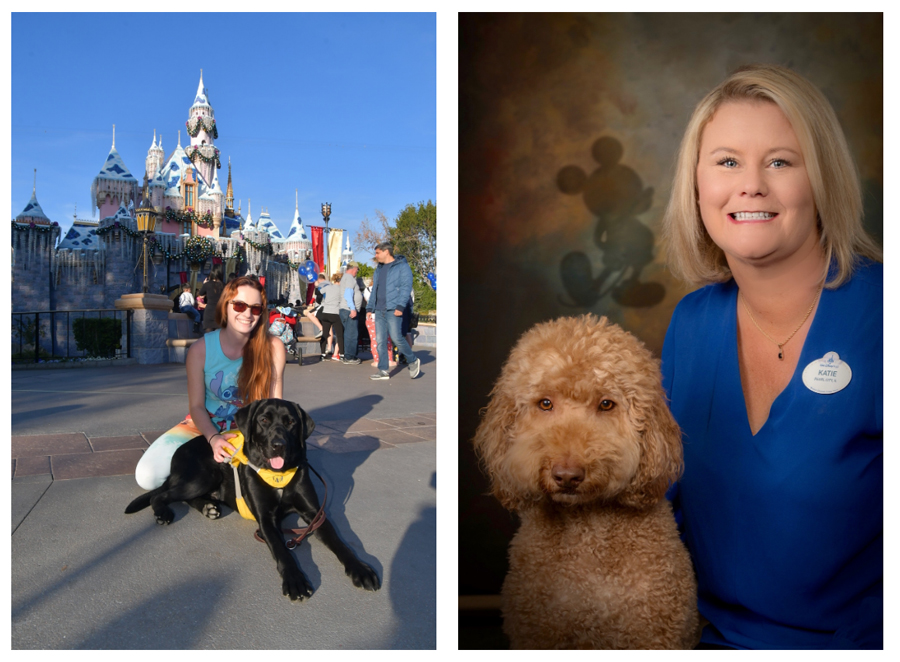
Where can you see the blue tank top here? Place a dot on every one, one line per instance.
(220, 374)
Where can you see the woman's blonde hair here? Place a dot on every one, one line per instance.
(255, 376)
(692, 254)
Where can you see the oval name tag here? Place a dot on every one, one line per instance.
(827, 375)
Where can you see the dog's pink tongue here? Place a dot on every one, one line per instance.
(277, 462)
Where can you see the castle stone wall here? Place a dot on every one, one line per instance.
(44, 279)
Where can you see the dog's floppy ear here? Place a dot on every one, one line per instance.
(662, 460)
(493, 440)
(308, 423)
(243, 416)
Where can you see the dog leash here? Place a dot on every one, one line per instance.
(316, 522)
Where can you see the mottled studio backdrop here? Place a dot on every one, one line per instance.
(569, 126)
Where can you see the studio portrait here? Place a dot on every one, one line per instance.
(671, 331)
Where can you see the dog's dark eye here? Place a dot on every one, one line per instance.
(606, 405)
(263, 419)
(545, 404)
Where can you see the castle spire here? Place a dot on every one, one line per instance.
(114, 136)
(201, 99)
(229, 194)
(34, 190)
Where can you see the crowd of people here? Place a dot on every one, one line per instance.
(349, 312)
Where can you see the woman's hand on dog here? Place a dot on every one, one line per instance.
(222, 450)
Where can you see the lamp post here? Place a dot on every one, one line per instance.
(146, 223)
(326, 214)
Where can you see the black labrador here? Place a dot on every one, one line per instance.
(275, 433)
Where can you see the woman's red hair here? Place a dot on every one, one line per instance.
(255, 377)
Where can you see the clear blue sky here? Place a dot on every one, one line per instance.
(339, 106)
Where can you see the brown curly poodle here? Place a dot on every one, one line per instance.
(577, 438)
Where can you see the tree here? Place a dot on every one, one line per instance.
(414, 236)
(365, 271)
(370, 234)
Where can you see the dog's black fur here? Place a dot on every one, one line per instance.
(271, 428)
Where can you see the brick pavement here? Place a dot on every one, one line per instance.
(75, 455)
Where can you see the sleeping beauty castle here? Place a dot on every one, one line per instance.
(197, 227)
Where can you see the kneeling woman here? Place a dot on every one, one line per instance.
(232, 366)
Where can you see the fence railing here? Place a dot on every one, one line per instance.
(47, 335)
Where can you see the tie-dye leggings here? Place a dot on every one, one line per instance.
(156, 462)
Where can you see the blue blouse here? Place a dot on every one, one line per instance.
(784, 527)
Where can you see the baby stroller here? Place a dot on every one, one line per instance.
(282, 321)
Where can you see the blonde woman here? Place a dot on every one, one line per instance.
(774, 370)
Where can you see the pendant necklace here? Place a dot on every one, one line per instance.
(785, 341)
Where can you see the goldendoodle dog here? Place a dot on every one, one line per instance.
(578, 440)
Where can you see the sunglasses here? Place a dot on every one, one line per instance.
(240, 306)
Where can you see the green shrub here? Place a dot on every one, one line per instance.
(98, 337)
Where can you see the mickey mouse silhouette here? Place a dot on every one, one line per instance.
(615, 194)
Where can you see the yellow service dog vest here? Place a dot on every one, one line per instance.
(276, 479)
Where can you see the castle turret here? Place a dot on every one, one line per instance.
(248, 224)
(201, 126)
(154, 159)
(33, 212)
(347, 255)
(265, 224)
(297, 243)
(34, 237)
(113, 185)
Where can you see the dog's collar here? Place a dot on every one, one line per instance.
(272, 477)
(276, 479)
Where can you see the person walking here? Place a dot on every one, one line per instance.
(351, 301)
(330, 317)
(392, 284)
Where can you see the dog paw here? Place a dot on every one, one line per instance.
(165, 516)
(295, 586)
(211, 510)
(363, 576)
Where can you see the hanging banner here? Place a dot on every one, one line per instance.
(335, 243)
(315, 235)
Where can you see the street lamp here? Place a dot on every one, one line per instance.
(326, 214)
(146, 223)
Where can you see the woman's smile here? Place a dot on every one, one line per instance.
(752, 216)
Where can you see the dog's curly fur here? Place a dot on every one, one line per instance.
(577, 438)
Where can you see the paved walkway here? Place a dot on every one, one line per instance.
(84, 575)
(77, 455)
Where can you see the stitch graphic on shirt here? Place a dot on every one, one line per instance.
(228, 394)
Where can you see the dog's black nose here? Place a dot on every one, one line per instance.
(567, 476)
